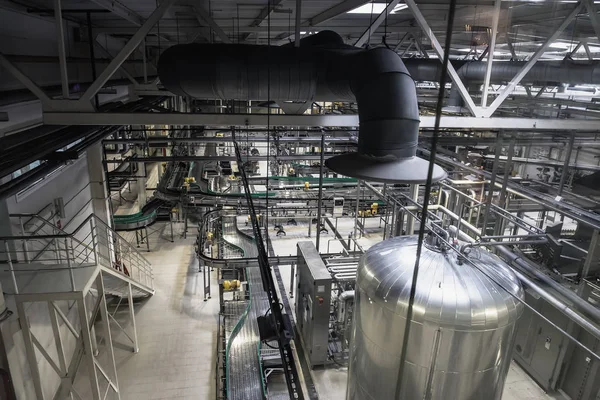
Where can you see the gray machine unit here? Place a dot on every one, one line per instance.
(551, 358)
(313, 299)
(539, 346)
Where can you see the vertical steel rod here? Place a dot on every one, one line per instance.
(565, 169)
(297, 26)
(507, 169)
(62, 55)
(356, 208)
(491, 47)
(92, 56)
(492, 185)
(322, 167)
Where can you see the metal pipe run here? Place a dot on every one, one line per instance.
(531, 268)
(576, 213)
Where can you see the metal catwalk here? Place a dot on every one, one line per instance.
(244, 374)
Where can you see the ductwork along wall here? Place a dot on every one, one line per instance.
(323, 69)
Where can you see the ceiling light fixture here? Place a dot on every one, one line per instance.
(376, 8)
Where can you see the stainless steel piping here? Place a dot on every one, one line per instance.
(562, 307)
(520, 263)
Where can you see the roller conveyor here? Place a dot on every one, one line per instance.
(244, 374)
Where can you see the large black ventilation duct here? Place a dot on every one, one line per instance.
(321, 69)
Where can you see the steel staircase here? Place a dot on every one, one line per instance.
(58, 283)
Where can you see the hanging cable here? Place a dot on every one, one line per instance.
(177, 27)
(434, 141)
(157, 29)
(384, 39)
(370, 22)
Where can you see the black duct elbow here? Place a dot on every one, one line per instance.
(389, 122)
(324, 70)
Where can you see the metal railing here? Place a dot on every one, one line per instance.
(92, 243)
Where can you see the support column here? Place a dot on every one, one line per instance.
(60, 38)
(101, 207)
(141, 185)
(98, 183)
(410, 220)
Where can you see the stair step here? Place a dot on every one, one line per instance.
(118, 287)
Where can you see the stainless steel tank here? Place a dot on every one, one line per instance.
(462, 330)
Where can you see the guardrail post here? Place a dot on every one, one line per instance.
(94, 244)
(56, 247)
(71, 275)
(25, 249)
(11, 267)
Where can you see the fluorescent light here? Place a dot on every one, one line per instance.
(376, 8)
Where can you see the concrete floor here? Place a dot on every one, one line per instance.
(176, 328)
(177, 332)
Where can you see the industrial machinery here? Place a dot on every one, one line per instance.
(461, 331)
(338, 206)
(313, 303)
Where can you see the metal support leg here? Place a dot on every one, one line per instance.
(31, 358)
(292, 276)
(172, 238)
(107, 334)
(356, 209)
(88, 349)
(136, 347)
(147, 240)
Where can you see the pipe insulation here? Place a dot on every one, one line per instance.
(543, 73)
(321, 69)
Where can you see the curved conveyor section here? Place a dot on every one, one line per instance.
(141, 219)
(244, 374)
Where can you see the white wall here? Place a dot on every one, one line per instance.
(72, 183)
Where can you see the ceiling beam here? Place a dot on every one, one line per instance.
(334, 11)
(427, 122)
(531, 62)
(129, 48)
(204, 18)
(378, 21)
(120, 10)
(265, 12)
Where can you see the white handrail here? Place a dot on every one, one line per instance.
(100, 243)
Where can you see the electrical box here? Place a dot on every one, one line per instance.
(338, 206)
(313, 301)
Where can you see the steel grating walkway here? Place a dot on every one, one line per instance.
(244, 375)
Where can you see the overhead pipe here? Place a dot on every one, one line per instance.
(549, 73)
(519, 263)
(323, 69)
